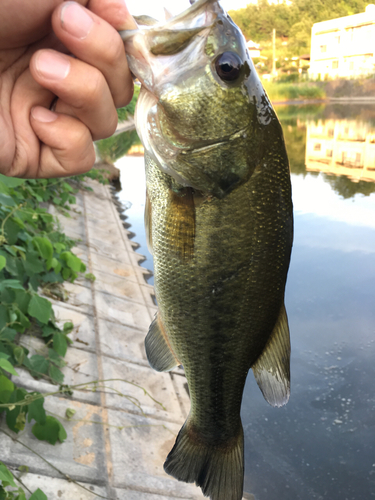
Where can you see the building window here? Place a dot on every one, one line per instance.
(335, 64)
(317, 146)
(329, 153)
(337, 40)
(351, 65)
(323, 48)
(331, 132)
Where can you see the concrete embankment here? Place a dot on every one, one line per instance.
(119, 436)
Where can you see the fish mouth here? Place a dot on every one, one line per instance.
(152, 50)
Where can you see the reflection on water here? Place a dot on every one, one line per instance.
(341, 147)
(322, 444)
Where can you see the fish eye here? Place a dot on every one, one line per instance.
(228, 66)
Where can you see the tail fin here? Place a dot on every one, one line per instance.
(218, 470)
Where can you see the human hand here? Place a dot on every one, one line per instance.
(37, 71)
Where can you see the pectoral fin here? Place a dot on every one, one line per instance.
(180, 223)
(272, 368)
(158, 349)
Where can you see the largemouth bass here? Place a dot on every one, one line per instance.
(219, 223)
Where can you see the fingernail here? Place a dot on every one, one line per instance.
(75, 20)
(52, 65)
(43, 115)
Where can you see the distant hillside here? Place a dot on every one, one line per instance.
(292, 22)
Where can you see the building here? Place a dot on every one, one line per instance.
(253, 48)
(341, 147)
(344, 47)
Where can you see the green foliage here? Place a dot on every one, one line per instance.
(34, 253)
(9, 489)
(289, 91)
(115, 147)
(123, 113)
(292, 22)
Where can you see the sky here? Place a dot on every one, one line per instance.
(155, 8)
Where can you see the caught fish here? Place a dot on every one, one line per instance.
(220, 226)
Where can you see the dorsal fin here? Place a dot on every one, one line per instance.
(272, 368)
(146, 20)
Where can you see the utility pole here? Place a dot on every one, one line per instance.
(273, 52)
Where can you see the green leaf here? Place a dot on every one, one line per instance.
(23, 300)
(38, 495)
(12, 284)
(7, 201)
(32, 264)
(49, 431)
(55, 374)
(72, 261)
(8, 334)
(59, 247)
(37, 364)
(40, 309)
(3, 261)
(66, 273)
(11, 181)
(48, 331)
(6, 477)
(59, 343)
(11, 229)
(6, 389)
(44, 247)
(3, 316)
(21, 495)
(68, 327)
(19, 354)
(90, 277)
(55, 358)
(70, 412)
(37, 411)
(5, 365)
(21, 421)
(14, 419)
(62, 432)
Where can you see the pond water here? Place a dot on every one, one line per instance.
(322, 443)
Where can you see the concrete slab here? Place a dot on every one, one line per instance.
(119, 286)
(138, 453)
(81, 456)
(81, 369)
(122, 311)
(61, 489)
(113, 267)
(79, 298)
(143, 495)
(123, 342)
(83, 333)
(159, 386)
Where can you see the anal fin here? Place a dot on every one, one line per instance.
(158, 349)
(272, 368)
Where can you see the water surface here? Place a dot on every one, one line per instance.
(322, 444)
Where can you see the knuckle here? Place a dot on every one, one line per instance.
(91, 92)
(115, 51)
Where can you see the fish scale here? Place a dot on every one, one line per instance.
(220, 226)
